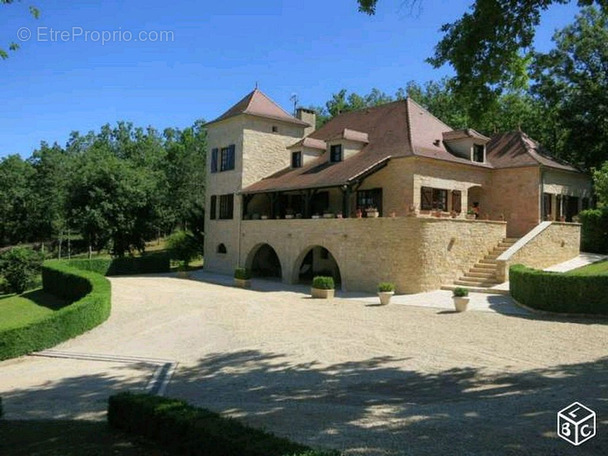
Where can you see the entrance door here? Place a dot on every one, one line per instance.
(571, 207)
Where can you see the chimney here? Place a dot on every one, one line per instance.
(308, 116)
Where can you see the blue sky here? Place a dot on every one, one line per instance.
(218, 52)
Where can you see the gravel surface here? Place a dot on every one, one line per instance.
(343, 374)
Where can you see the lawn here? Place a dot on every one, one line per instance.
(601, 268)
(69, 438)
(31, 306)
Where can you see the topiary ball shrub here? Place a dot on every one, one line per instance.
(183, 247)
(20, 267)
(323, 283)
(460, 292)
(386, 287)
(242, 274)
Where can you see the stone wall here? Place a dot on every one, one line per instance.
(417, 254)
(548, 244)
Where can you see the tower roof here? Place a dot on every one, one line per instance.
(259, 104)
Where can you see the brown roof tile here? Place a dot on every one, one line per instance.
(259, 104)
(516, 149)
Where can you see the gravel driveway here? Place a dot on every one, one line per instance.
(369, 380)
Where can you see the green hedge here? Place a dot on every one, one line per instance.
(148, 264)
(195, 431)
(91, 301)
(323, 283)
(594, 232)
(559, 292)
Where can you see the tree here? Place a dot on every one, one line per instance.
(488, 46)
(35, 12)
(15, 202)
(600, 181)
(573, 78)
(19, 266)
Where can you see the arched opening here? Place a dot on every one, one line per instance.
(316, 261)
(263, 261)
(476, 201)
(221, 249)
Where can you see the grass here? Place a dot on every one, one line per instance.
(20, 310)
(70, 438)
(601, 268)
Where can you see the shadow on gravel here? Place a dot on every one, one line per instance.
(371, 407)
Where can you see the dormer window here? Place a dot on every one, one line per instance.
(296, 159)
(479, 153)
(335, 153)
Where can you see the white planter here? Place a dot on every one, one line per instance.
(288, 216)
(319, 293)
(264, 217)
(373, 214)
(242, 283)
(315, 217)
(385, 297)
(461, 303)
(328, 215)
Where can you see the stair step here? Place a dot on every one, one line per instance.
(483, 267)
(511, 240)
(476, 282)
(477, 289)
(491, 261)
(480, 275)
(491, 256)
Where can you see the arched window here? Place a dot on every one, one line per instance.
(221, 249)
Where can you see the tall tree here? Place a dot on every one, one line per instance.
(573, 77)
(15, 201)
(488, 47)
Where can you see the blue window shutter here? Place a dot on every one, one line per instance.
(232, 157)
(214, 154)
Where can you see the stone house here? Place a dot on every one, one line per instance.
(380, 194)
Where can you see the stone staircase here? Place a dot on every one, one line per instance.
(482, 276)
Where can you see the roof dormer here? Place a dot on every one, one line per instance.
(467, 143)
(306, 150)
(346, 144)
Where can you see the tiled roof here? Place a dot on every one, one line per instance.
(399, 129)
(258, 104)
(516, 149)
(463, 133)
(311, 143)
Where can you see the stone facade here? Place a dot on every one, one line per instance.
(549, 244)
(417, 254)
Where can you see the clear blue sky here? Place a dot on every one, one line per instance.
(218, 52)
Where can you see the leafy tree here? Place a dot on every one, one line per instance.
(35, 12)
(487, 46)
(183, 247)
(573, 78)
(19, 266)
(600, 180)
(15, 202)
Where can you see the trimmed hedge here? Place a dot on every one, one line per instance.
(196, 431)
(594, 232)
(323, 283)
(559, 292)
(90, 297)
(148, 264)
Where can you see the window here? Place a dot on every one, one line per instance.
(547, 199)
(226, 206)
(457, 201)
(433, 199)
(213, 208)
(479, 153)
(335, 153)
(221, 249)
(214, 157)
(296, 159)
(227, 158)
(275, 129)
(370, 198)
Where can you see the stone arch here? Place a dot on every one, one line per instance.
(315, 260)
(263, 261)
(221, 248)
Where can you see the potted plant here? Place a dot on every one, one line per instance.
(386, 290)
(339, 215)
(242, 277)
(412, 211)
(316, 216)
(470, 214)
(372, 212)
(289, 214)
(461, 299)
(298, 215)
(264, 217)
(359, 213)
(323, 287)
(328, 214)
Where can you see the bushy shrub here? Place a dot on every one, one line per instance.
(559, 292)
(594, 232)
(195, 431)
(148, 264)
(91, 301)
(183, 247)
(460, 292)
(20, 266)
(323, 283)
(386, 287)
(242, 274)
